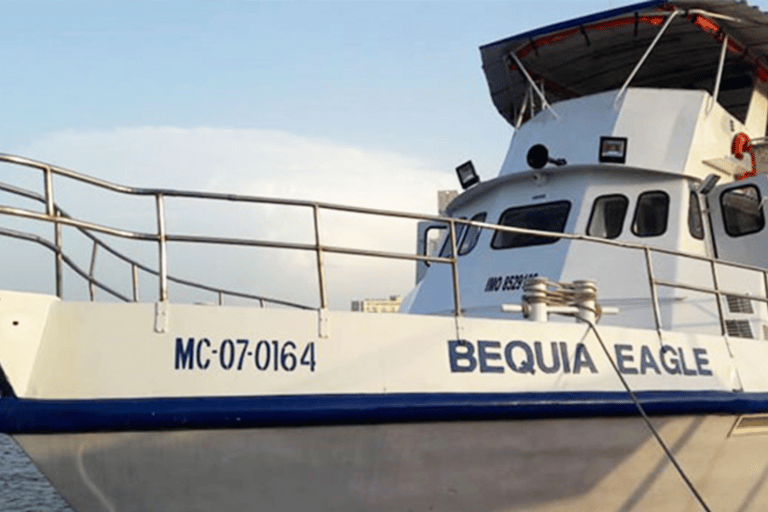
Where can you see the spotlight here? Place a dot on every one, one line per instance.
(613, 150)
(467, 175)
(708, 184)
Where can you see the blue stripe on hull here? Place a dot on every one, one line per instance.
(115, 415)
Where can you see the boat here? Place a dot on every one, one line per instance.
(590, 331)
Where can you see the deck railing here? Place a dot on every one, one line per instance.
(58, 217)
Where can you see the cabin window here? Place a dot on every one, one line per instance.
(473, 233)
(651, 214)
(607, 216)
(543, 217)
(446, 251)
(695, 225)
(742, 211)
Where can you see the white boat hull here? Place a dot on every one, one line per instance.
(532, 465)
(396, 412)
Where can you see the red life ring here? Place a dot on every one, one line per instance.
(740, 145)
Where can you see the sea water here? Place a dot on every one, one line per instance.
(22, 487)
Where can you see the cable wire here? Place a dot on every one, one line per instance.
(647, 420)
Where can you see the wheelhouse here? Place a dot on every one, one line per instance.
(621, 146)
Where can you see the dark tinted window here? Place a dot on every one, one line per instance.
(651, 214)
(607, 216)
(742, 212)
(446, 251)
(543, 217)
(695, 225)
(473, 233)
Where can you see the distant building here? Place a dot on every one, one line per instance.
(390, 305)
(444, 197)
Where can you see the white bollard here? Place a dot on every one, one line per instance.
(536, 297)
(586, 292)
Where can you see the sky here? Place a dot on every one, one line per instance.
(368, 103)
(398, 76)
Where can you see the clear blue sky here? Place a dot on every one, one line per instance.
(398, 76)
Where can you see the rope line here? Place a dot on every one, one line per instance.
(647, 420)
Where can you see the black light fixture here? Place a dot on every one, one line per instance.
(708, 184)
(467, 175)
(613, 150)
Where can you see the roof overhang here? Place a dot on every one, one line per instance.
(597, 53)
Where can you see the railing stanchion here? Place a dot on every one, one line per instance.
(654, 295)
(319, 254)
(718, 297)
(59, 261)
(135, 279)
(50, 211)
(163, 255)
(455, 269)
(92, 271)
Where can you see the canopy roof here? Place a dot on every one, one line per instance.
(597, 53)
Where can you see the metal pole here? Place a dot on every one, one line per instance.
(50, 210)
(319, 253)
(523, 108)
(163, 254)
(645, 56)
(59, 261)
(654, 296)
(718, 299)
(545, 104)
(92, 270)
(719, 77)
(135, 279)
(455, 269)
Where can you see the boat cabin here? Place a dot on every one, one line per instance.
(645, 127)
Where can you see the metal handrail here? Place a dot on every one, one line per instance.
(59, 218)
(135, 265)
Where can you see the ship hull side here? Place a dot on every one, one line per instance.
(572, 464)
